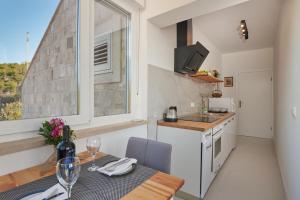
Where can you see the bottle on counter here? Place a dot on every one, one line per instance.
(66, 148)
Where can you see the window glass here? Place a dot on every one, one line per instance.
(38, 59)
(111, 33)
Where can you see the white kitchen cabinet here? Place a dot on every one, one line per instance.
(226, 145)
(207, 174)
(232, 126)
(193, 157)
(229, 127)
(187, 157)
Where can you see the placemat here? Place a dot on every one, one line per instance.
(90, 185)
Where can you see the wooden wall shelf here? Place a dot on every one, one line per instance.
(207, 78)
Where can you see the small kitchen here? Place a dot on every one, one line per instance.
(186, 109)
(213, 76)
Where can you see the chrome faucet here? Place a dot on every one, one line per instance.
(204, 103)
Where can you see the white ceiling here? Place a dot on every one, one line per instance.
(165, 13)
(221, 27)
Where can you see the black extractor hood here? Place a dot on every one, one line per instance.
(188, 57)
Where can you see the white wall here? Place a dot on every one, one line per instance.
(160, 46)
(234, 63)
(214, 58)
(139, 3)
(287, 95)
(162, 41)
(157, 7)
(112, 143)
(167, 12)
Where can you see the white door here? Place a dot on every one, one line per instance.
(255, 104)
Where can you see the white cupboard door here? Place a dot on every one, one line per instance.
(207, 174)
(225, 141)
(186, 156)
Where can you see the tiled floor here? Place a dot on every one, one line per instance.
(250, 173)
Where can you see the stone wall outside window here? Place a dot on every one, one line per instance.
(50, 85)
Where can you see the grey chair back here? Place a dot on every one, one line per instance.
(150, 153)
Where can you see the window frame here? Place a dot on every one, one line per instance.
(85, 43)
(132, 66)
(32, 125)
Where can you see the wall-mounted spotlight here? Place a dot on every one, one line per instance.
(244, 30)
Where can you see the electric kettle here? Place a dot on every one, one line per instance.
(171, 115)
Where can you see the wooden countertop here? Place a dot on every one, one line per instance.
(197, 126)
(160, 186)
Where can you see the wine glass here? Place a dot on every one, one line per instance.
(93, 145)
(67, 172)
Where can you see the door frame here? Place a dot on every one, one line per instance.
(272, 94)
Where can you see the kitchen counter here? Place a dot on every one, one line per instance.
(198, 141)
(197, 126)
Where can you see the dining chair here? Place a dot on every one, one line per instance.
(150, 153)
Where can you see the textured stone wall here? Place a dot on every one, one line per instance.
(110, 89)
(111, 98)
(50, 86)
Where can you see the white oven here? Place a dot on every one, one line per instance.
(217, 158)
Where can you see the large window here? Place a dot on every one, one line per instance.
(44, 62)
(111, 63)
(38, 59)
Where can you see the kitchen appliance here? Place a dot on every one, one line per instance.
(218, 110)
(206, 119)
(171, 115)
(217, 150)
(188, 57)
(221, 105)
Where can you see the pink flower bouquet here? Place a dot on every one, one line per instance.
(53, 131)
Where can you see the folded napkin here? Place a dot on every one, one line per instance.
(51, 192)
(119, 167)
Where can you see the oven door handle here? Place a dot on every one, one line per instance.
(209, 146)
(218, 134)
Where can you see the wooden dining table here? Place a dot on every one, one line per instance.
(160, 186)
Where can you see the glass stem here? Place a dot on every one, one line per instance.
(94, 163)
(69, 192)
